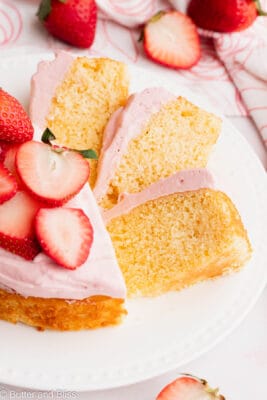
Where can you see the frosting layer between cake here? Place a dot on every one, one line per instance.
(183, 181)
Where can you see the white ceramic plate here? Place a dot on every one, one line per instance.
(159, 334)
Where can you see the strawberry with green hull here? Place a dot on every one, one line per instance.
(17, 233)
(73, 21)
(8, 184)
(65, 234)
(188, 387)
(224, 15)
(15, 125)
(171, 39)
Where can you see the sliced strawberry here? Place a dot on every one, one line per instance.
(188, 387)
(15, 125)
(9, 156)
(171, 39)
(3, 146)
(65, 234)
(54, 175)
(17, 225)
(8, 184)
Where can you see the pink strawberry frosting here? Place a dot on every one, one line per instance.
(42, 277)
(43, 86)
(183, 181)
(125, 124)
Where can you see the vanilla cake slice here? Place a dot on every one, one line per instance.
(75, 98)
(155, 135)
(40, 293)
(175, 233)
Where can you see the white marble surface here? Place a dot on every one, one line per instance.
(238, 365)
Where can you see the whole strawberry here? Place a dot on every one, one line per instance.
(224, 15)
(15, 125)
(73, 21)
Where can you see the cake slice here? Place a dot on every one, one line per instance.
(175, 233)
(43, 294)
(75, 98)
(58, 268)
(152, 137)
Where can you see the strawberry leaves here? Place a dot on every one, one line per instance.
(45, 9)
(48, 137)
(261, 12)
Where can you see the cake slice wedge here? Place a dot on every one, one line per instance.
(175, 233)
(155, 135)
(41, 293)
(75, 98)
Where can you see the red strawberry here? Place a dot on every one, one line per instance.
(8, 184)
(53, 175)
(17, 225)
(188, 387)
(224, 15)
(65, 234)
(171, 39)
(8, 157)
(73, 21)
(3, 147)
(15, 125)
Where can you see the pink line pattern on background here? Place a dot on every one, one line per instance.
(130, 51)
(136, 8)
(10, 23)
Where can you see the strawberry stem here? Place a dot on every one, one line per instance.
(157, 16)
(48, 137)
(44, 9)
(90, 153)
(261, 12)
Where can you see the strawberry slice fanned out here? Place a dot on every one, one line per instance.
(65, 234)
(8, 157)
(188, 387)
(52, 174)
(171, 39)
(8, 184)
(17, 225)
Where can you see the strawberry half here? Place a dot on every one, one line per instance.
(52, 174)
(17, 233)
(171, 39)
(65, 234)
(8, 156)
(8, 184)
(188, 387)
(15, 125)
(3, 147)
(73, 21)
